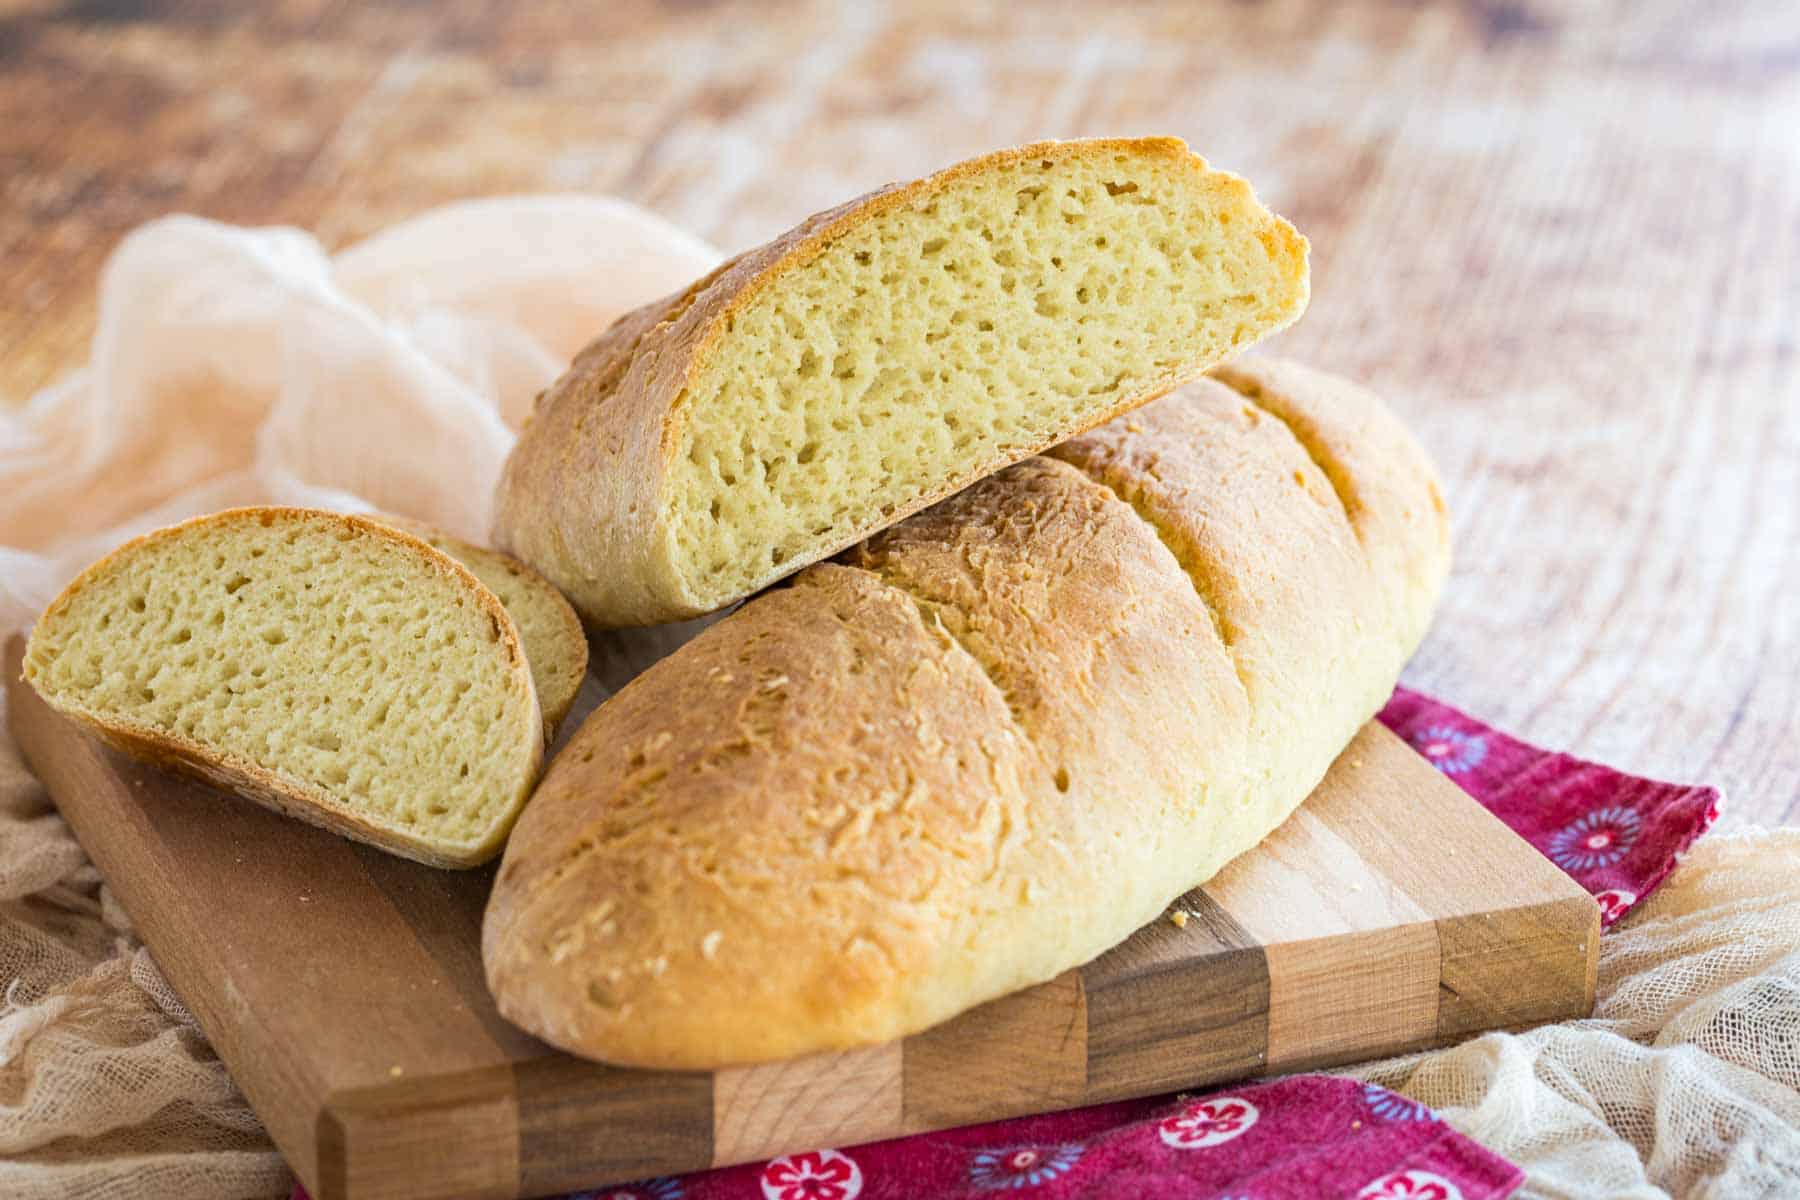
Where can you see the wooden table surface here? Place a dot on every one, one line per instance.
(1564, 239)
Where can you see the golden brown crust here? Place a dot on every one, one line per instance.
(979, 748)
(291, 796)
(582, 496)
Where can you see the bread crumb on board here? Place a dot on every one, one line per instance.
(1179, 919)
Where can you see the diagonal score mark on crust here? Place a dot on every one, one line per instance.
(931, 615)
(1307, 438)
(1205, 590)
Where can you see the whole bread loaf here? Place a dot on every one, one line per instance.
(331, 667)
(982, 747)
(880, 356)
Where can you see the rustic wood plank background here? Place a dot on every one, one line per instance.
(1564, 239)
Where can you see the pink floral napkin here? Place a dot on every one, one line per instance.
(1297, 1138)
(1616, 835)
(1308, 1136)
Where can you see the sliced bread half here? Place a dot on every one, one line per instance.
(555, 644)
(330, 667)
(880, 356)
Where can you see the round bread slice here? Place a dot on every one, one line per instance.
(555, 645)
(327, 666)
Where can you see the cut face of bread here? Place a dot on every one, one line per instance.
(329, 667)
(555, 645)
(881, 356)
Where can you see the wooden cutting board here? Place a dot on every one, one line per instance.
(343, 987)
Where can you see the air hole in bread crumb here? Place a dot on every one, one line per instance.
(137, 604)
(1062, 779)
(235, 584)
